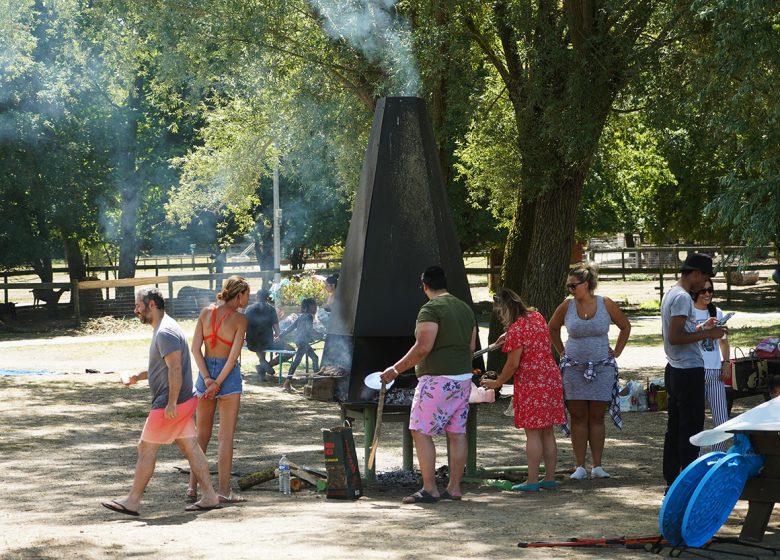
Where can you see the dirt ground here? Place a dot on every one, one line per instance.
(68, 443)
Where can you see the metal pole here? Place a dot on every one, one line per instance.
(277, 222)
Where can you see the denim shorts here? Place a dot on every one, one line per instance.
(232, 384)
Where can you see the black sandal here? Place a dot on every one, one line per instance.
(421, 497)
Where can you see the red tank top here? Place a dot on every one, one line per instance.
(213, 337)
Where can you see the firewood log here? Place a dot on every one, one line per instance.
(257, 477)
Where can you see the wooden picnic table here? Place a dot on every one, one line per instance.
(762, 491)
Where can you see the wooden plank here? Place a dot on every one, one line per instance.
(37, 285)
(122, 282)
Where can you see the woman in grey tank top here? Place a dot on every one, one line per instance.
(588, 363)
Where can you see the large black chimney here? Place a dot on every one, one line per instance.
(401, 224)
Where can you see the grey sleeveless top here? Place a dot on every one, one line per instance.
(588, 338)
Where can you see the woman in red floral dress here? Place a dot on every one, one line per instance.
(538, 394)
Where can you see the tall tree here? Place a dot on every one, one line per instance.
(563, 67)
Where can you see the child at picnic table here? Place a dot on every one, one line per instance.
(304, 336)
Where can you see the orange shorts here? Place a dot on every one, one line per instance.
(160, 430)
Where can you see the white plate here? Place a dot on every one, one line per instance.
(373, 382)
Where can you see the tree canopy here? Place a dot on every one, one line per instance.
(142, 125)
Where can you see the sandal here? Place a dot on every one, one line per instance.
(421, 497)
(447, 496)
(231, 499)
(191, 494)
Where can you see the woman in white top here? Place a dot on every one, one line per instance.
(716, 359)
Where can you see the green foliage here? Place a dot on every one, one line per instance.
(639, 277)
(629, 173)
(300, 288)
(54, 165)
(743, 40)
(651, 306)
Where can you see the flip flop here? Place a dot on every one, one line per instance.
(191, 494)
(198, 507)
(421, 497)
(232, 499)
(113, 505)
(447, 496)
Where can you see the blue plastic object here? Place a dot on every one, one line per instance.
(676, 501)
(716, 495)
(713, 499)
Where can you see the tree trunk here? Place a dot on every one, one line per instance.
(130, 183)
(77, 270)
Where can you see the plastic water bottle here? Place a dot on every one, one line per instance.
(284, 475)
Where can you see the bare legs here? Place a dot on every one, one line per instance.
(540, 445)
(144, 468)
(458, 454)
(426, 456)
(199, 466)
(228, 418)
(587, 426)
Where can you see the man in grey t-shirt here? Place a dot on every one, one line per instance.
(684, 376)
(173, 406)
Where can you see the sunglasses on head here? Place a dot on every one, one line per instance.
(572, 287)
(706, 291)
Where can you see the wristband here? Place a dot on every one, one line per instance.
(395, 370)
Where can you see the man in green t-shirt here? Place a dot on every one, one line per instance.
(446, 336)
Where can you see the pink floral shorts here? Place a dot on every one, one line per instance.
(440, 405)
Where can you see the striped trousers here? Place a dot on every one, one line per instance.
(715, 397)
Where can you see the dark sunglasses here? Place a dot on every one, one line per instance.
(706, 291)
(572, 287)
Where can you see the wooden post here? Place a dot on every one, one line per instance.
(727, 272)
(661, 283)
(408, 448)
(5, 278)
(74, 297)
(156, 272)
(623, 263)
(471, 436)
(170, 296)
(108, 294)
(369, 421)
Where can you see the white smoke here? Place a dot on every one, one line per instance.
(379, 33)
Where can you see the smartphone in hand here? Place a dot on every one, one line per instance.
(725, 318)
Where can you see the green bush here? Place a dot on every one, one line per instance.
(639, 277)
(652, 305)
(301, 288)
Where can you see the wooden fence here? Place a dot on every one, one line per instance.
(91, 306)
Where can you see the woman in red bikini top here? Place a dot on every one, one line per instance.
(220, 333)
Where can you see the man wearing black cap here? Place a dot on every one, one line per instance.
(262, 327)
(684, 376)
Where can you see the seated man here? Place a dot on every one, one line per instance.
(262, 328)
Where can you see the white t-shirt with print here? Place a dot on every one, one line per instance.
(710, 349)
